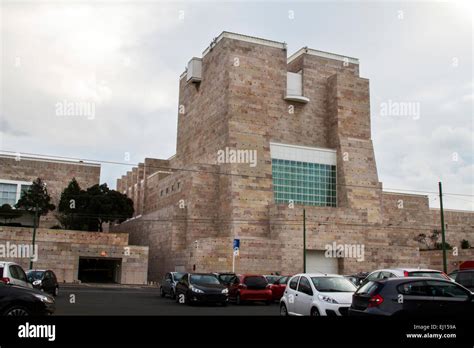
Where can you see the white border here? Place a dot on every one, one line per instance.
(50, 160)
(322, 54)
(246, 38)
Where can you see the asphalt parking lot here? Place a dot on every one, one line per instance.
(116, 300)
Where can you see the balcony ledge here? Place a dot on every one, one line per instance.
(296, 98)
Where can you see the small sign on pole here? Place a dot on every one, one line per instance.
(236, 249)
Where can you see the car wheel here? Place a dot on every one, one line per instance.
(283, 310)
(238, 300)
(162, 293)
(17, 311)
(224, 304)
(173, 294)
(268, 303)
(56, 291)
(315, 312)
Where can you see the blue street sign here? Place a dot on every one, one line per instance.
(236, 244)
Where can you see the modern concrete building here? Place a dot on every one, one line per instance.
(262, 136)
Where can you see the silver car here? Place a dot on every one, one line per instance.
(387, 273)
(12, 273)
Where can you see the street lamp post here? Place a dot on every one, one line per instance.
(443, 233)
(304, 240)
(34, 233)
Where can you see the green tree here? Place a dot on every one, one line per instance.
(89, 209)
(36, 196)
(71, 207)
(104, 205)
(8, 213)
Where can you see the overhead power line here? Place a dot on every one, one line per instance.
(44, 156)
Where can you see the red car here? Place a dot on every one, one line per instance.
(250, 287)
(278, 288)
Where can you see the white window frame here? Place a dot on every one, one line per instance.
(18, 186)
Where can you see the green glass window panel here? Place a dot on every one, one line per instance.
(304, 183)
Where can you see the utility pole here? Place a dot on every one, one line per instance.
(443, 234)
(34, 233)
(304, 240)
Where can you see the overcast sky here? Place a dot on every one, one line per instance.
(126, 58)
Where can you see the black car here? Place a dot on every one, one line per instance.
(44, 280)
(465, 278)
(413, 297)
(168, 285)
(20, 301)
(201, 288)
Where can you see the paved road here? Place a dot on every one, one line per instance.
(142, 301)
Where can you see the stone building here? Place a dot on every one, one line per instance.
(17, 173)
(72, 255)
(260, 138)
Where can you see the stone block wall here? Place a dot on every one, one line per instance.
(55, 173)
(60, 250)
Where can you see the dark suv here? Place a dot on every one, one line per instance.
(412, 297)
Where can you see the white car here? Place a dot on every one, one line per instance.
(317, 294)
(12, 273)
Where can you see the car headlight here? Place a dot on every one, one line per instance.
(37, 282)
(225, 291)
(196, 290)
(43, 298)
(327, 299)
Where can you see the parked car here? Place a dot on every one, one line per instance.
(404, 272)
(278, 287)
(250, 287)
(12, 273)
(464, 277)
(271, 278)
(44, 280)
(20, 301)
(412, 297)
(225, 278)
(317, 295)
(201, 288)
(168, 285)
(357, 278)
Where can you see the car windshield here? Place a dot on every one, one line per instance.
(255, 281)
(177, 276)
(437, 275)
(272, 279)
(333, 284)
(225, 278)
(367, 289)
(202, 279)
(36, 275)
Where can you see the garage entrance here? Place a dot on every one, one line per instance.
(317, 262)
(99, 270)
